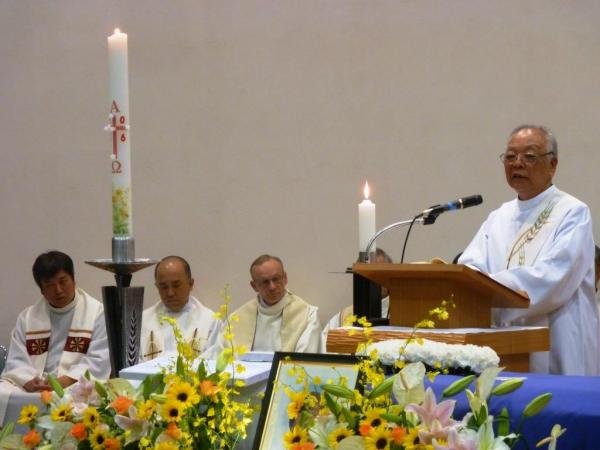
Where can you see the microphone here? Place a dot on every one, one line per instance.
(431, 213)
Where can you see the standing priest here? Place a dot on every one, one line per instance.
(541, 242)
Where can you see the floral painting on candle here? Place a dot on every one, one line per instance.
(120, 207)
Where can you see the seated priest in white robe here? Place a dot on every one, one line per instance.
(541, 243)
(173, 279)
(64, 333)
(274, 320)
(340, 318)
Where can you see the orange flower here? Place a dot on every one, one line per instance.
(208, 388)
(46, 396)
(78, 431)
(304, 446)
(32, 439)
(172, 431)
(364, 429)
(112, 444)
(398, 434)
(121, 404)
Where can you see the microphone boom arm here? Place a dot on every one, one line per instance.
(388, 228)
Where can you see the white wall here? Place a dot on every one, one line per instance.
(255, 124)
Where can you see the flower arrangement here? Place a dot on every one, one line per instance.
(398, 413)
(184, 407)
(449, 357)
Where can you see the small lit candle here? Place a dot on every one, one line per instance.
(119, 128)
(366, 221)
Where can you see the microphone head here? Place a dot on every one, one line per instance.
(472, 200)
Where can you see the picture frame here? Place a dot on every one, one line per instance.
(273, 422)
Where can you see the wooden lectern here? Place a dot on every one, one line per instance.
(415, 289)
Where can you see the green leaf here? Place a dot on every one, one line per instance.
(458, 386)
(56, 386)
(384, 388)
(201, 371)
(222, 361)
(394, 419)
(6, 430)
(536, 405)
(180, 367)
(332, 405)
(338, 391)
(101, 390)
(508, 386)
(503, 420)
(348, 417)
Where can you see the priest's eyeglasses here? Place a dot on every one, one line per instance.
(528, 158)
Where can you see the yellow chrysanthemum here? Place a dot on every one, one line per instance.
(296, 436)
(378, 439)
(172, 410)
(91, 417)
(28, 414)
(338, 435)
(99, 436)
(62, 413)
(183, 392)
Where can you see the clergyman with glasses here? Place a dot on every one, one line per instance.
(541, 242)
(275, 319)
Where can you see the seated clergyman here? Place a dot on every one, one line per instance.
(64, 333)
(173, 279)
(276, 319)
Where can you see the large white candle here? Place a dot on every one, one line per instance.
(366, 221)
(119, 126)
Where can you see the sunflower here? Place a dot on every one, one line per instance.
(172, 410)
(183, 392)
(372, 420)
(91, 417)
(378, 439)
(146, 409)
(411, 441)
(296, 436)
(338, 435)
(28, 414)
(99, 436)
(62, 413)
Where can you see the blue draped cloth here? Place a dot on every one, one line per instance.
(575, 405)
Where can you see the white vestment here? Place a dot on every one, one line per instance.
(554, 263)
(266, 328)
(195, 321)
(339, 318)
(62, 341)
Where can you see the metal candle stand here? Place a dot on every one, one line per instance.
(123, 305)
(367, 295)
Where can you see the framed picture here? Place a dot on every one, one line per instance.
(274, 422)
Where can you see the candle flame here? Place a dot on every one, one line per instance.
(117, 31)
(366, 190)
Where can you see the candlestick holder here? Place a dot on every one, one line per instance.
(123, 305)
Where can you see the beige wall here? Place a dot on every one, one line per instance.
(255, 123)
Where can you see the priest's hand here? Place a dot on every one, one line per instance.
(66, 381)
(37, 384)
